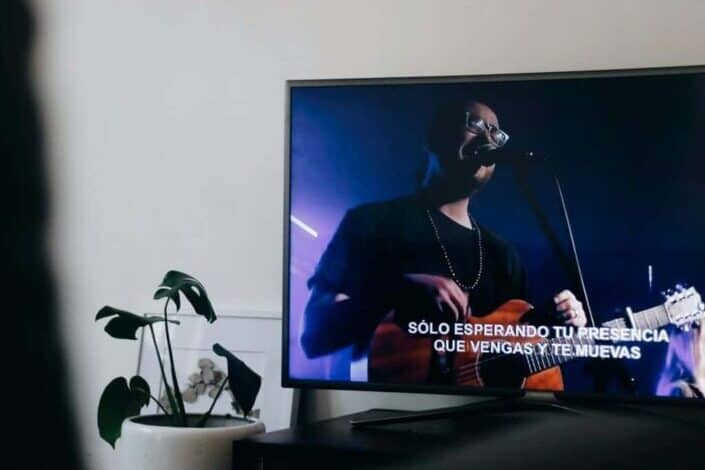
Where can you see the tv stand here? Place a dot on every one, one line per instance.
(513, 403)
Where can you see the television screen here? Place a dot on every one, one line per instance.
(497, 234)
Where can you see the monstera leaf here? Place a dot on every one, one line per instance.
(118, 402)
(124, 325)
(176, 283)
(244, 382)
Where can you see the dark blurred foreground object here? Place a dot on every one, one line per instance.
(36, 416)
(598, 436)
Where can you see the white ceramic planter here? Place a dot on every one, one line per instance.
(147, 444)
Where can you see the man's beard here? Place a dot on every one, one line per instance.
(459, 180)
(470, 150)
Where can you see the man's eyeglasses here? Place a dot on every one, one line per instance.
(477, 125)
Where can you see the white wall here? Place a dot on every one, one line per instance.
(165, 121)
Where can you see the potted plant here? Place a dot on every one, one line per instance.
(174, 440)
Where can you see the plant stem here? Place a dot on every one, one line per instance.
(169, 394)
(174, 380)
(159, 405)
(207, 414)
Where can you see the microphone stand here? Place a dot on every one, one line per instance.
(574, 249)
(601, 371)
(520, 162)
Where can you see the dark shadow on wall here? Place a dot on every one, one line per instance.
(36, 415)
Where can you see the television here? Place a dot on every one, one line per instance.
(497, 234)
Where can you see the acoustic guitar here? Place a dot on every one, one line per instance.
(398, 357)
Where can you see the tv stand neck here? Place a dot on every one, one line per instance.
(485, 406)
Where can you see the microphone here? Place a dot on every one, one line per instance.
(501, 156)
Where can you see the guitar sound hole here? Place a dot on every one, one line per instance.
(497, 370)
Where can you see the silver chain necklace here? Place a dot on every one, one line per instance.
(463, 286)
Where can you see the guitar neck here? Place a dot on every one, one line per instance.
(651, 318)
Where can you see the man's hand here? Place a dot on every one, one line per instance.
(569, 309)
(444, 294)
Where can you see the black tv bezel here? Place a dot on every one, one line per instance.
(288, 382)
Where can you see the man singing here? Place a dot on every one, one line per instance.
(424, 256)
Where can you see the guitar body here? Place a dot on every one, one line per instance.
(398, 357)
